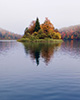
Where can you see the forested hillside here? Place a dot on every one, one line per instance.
(72, 32)
(4, 34)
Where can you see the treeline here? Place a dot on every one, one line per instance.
(6, 35)
(41, 31)
(70, 33)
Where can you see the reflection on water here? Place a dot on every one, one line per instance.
(20, 79)
(71, 47)
(6, 45)
(44, 50)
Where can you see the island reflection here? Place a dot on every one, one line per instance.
(43, 50)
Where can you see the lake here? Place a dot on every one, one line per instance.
(38, 71)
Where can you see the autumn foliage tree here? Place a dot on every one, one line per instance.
(45, 30)
(47, 26)
(32, 27)
(70, 33)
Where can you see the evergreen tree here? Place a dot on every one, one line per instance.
(37, 25)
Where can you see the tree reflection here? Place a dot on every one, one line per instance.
(43, 50)
(71, 47)
(6, 45)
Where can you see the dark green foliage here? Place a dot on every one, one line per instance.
(35, 33)
(42, 36)
(37, 25)
(32, 38)
(56, 36)
(49, 36)
(26, 35)
(40, 31)
(26, 31)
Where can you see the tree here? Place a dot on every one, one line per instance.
(56, 30)
(45, 30)
(26, 31)
(32, 27)
(37, 25)
(47, 25)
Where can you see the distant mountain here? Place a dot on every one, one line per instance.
(72, 32)
(4, 34)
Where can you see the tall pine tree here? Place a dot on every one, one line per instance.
(37, 25)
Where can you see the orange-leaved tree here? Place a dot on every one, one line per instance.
(32, 27)
(47, 26)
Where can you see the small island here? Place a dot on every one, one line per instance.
(37, 32)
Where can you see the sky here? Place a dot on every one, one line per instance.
(16, 15)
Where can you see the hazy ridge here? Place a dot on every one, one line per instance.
(4, 34)
(72, 32)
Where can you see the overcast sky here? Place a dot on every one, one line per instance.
(16, 15)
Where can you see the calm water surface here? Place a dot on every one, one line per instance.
(39, 71)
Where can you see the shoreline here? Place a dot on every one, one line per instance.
(40, 40)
